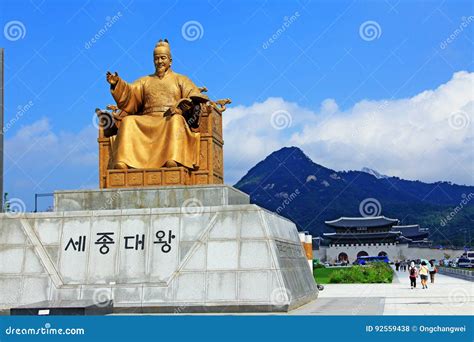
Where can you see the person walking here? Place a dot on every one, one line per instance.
(397, 265)
(412, 274)
(424, 274)
(433, 271)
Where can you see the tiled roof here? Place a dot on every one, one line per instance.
(354, 222)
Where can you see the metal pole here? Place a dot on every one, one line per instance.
(41, 195)
(2, 79)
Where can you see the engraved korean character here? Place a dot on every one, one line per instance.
(78, 245)
(138, 242)
(104, 240)
(161, 236)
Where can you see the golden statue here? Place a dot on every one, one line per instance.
(162, 131)
(154, 132)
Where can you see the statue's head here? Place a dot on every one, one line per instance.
(162, 57)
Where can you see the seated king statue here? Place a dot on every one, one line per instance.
(154, 130)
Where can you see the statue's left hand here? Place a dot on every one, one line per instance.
(176, 111)
(185, 104)
(181, 107)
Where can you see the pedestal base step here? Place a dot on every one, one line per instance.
(158, 197)
(64, 308)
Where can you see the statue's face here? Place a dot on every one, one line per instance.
(162, 62)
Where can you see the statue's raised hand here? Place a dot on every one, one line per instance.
(112, 78)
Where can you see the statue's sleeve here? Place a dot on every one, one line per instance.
(188, 88)
(129, 97)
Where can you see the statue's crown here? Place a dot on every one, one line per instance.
(162, 46)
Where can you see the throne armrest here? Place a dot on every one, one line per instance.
(106, 122)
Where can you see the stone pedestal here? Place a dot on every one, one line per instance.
(159, 197)
(216, 255)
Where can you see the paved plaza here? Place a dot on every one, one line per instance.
(447, 296)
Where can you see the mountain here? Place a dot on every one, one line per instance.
(373, 172)
(290, 183)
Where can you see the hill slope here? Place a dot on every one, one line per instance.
(291, 184)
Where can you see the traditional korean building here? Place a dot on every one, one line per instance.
(353, 237)
(413, 235)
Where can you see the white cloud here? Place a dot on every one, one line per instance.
(249, 134)
(39, 160)
(429, 136)
(38, 145)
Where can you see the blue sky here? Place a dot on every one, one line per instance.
(322, 68)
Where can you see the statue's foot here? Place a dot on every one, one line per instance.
(120, 165)
(171, 163)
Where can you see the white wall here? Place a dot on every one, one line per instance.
(431, 253)
(394, 252)
(352, 251)
(320, 253)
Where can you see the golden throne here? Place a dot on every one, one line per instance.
(211, 167)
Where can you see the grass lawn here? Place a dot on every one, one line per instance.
(321, 275)
(373, 273)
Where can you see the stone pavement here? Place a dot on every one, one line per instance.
(447, 296)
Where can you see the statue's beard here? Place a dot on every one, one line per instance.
(161, 70)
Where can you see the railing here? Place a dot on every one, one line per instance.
(457, 273)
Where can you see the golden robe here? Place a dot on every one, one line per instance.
(146, 138)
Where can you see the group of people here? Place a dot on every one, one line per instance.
(423, 271)
(401, 265)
